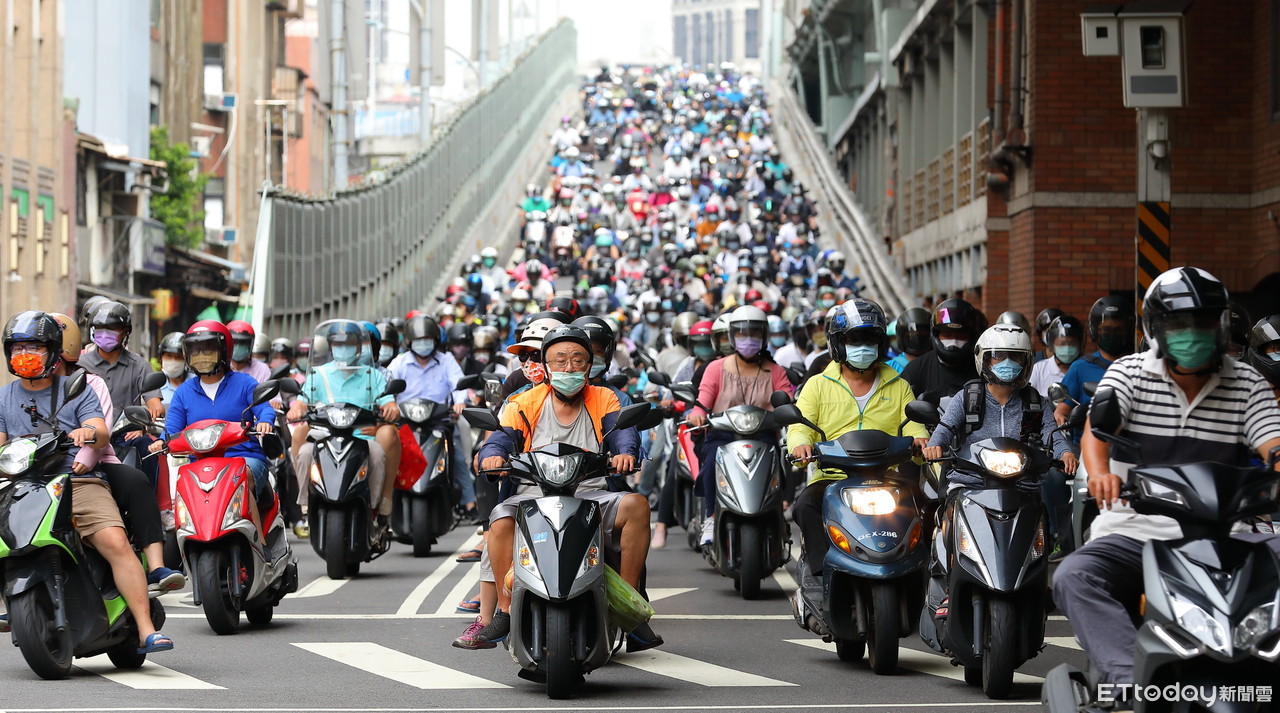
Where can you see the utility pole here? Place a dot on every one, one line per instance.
(338, 112)
(483, 53)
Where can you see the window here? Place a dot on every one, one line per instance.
(214, 217)
(213, 62)
(751, 40)
(713, 48)
(155, 104)
(728, 35)
(680, 39)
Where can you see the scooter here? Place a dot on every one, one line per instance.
(992, 549)
(1211, 608)
(534, 234)
(873, 574)
(559, 625)
(340, 504)
(683, 465)
(61, 597)
(237, 561)
(422, 509)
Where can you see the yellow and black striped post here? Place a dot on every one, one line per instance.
(1151, 248)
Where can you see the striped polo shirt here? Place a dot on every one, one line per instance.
(1231, 418)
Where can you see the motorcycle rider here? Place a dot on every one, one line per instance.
(1043, 320)
(955, 324)
(795, 352)
(748, 376)
(856, 391)
(534, 201)
(670, 359)
(241, 352)
(33, 350)
(1111, 328)
(172, 364)
(912, 336)
(1181, 401)
(1264, 350)
(566, 409)
(1065, 339)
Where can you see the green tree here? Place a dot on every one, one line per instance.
(176, 208)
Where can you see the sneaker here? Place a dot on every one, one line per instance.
(708, 531)
(497, 630)
(642, 638)
(470, 637)
(162, 579)
(301, 530)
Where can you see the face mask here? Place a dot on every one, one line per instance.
(797, 252)
(1007, 370)
(173, 368)
(490, 262)
(1066, 355)
(820, 340)
(700, 271)
(826, 304)
(518, 307)
(603, 242)
(203, 362)
(344, 353)
(534, 371)
(304, 363)
(954, 343)
(1114, 344)
(482, 357)
(1190, 348)
(460, 351)
(704, 351)
(747, 346)
(107, 340)
(1275, 356)
(861, 356)
(568, 383)
(652, 317)
(423, 347)
(27, 366)
(385, 355)
(239, 352)
(778, 341)
(598, 367)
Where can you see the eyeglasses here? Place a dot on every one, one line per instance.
(30, 349)
(573, 363)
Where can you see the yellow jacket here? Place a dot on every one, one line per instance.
(827, 401)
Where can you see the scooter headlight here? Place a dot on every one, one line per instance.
(1002, 463)
(1256, 626)
(1199, 624)
(17, 456)
(416, 410)
(558, 470)
(204, 439)
(746, 421)
(871, 501)
(234, 508)
(341, 416)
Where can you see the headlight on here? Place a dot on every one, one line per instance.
(17, 456)
(1197, 622)
(232, 515)
(746, 421)
(558, 469)
(964, 539)
(341, 416)
(1004, 463)
(1256, 626)
(204, 439)
(871, 501)
(416, 410)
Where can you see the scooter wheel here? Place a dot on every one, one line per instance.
(47, 651)
(850, 650)
(260, 616)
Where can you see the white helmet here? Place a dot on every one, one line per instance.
(571, 153)
(748, 322)
(999, 350)
(720, 335)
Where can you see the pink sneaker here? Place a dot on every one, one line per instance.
(470, 637)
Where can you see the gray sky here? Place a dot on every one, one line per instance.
(617, 30)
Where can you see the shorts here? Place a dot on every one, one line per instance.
(92, 507)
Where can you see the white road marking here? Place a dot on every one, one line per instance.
(1057, 617)
(177, 599)
(438, 575)
(469, 584)
(318, 587)
(354, 617)
(785, 580)
(659, 593)
(397, 666)
(1066, 642)
(151, 676)
(919, 661)
(694, 671)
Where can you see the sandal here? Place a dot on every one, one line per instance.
(470, 556)
(469, 606)
(156, 642)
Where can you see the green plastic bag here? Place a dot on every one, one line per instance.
(627, 609)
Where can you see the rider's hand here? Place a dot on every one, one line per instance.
(132, 435)
(1070, 463)
(1104, 487)
(696, 419)
(296, 411)
(79, 468)
(155, 447)
(493, 463)
(390, 411)
(623, 463)
(920, 444)
(931, 452)
(457, 408)
(263, 429)
(156, 408)
(368, 430)
(803, 452)
(81, 436)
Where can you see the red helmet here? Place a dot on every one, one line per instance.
(753, 295)
(204, 333)
(412, 313)
(701, 329)
(762, 304)
(241, 330)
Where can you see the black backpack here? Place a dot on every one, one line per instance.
(975, 393)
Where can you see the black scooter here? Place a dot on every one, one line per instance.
(422, 510)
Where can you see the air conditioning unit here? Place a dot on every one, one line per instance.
(222, 237)
(220, 102)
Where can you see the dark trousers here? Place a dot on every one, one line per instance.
(667, 496)
(149, 466)
(136, 499)
(807, 513)
(707, 467)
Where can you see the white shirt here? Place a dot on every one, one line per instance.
(210, 390)
(1044, 373)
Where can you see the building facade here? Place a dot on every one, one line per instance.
(715, 31)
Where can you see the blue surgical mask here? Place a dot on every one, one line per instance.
(1190, 348)
(568, 383)
(797, 252)
(240, 352)
(1066, 354)
(652, 317)
(826, 304)
(344, 353)
(704, 352)
(860, 356)
(423, 347)
(778, 341)
(1007, 370)
(1275, 356)
(386, 354)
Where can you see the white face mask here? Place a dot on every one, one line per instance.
(173, 368)
(954, 343)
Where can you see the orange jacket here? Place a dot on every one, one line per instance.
(521, 413)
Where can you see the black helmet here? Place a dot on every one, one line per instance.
(567, 333)
(800, 330)
(912, 332)
(1063, 326)
(1186, 298)
(1241, 323)
(1045, 318)
(171, 343)
(459, 333)
(88, 308)
(33, 326)
(113, 315)
(389, 331)
(421, 327)
(1111, 307)
(956, 313)
(600, 333)
(1265, 332)
(281, 347)
(858, 315)
(566, 305)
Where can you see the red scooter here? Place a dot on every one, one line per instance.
(232, 564)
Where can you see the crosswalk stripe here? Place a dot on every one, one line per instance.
(918, 661)
(397, 666)
(694, 671)
(151, 676)
(469, 583)
(177, 599)
(1066, 642)
(438, 575)
(784, 580)
(659, 593)
(318, 587)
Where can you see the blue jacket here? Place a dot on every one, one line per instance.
(235, 393)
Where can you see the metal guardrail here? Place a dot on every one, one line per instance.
(385, 248)
(845, 222)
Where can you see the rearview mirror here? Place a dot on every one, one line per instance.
(153, 381)
(290, 386)
(779, 398)
(1078, 416)
(264, 392)
(1058, 393)
(470, 381)
(631, 416)
(922, 412)
(789, 414)
(617, 381)
(280, 371)
(1090, 387)
(76, 385)
(659, 378)
(795, 375)
(1104, 412)
(652, 419)
(395, 386)
(138, 416)
(481, 418)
